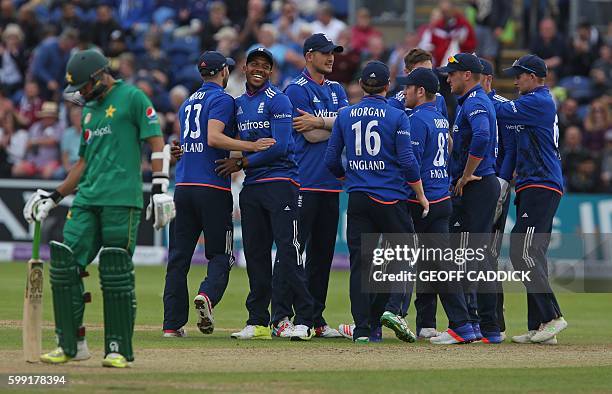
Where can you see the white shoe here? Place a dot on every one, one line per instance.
(346, 330)
(253, 332)
(503, 335)
(301, 333)
(82, 351)
(206, 321)
(549, 330)
(327, 332)
(426, 333)
(180, 333)
(526, 338)
(443, 339)
(283, 329)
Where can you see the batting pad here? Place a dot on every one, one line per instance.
(68, 296)
(117, 281)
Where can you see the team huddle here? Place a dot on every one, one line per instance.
(404, 171)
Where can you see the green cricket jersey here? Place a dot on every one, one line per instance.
(113, 129)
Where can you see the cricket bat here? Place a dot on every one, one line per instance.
(32, 303)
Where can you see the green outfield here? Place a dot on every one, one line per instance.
(582, 362)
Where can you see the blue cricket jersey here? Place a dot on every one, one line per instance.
(267, 113)
(197, 166)
(474, 134)
(323, 100)
(378, 150)
(398, 101)
(429, 134)
(506, 152)
(533, 117)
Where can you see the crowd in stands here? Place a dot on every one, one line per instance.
(154, 44)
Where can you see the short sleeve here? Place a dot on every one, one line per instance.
(222, 109)
(299, 98)
(144, 116)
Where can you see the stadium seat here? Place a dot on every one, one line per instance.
(579, 87)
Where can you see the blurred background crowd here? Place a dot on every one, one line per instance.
(154, 44)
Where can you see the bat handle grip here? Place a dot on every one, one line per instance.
(36, 241)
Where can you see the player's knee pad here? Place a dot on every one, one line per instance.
(117, 281)
(68, 296)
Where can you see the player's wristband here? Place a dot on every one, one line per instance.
(56, 196)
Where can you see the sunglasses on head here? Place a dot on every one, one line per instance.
(517, 65)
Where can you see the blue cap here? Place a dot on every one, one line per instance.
(462, 62)
(319, 42)
(422, 77)
(487, 67)
(211, 62)
(375, 74)
(260, 51)
(530, 64)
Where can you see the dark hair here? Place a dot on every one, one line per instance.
(416, 55)
(372, 89)
(429, 96)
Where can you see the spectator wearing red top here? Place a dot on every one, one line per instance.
(363, 30)
(347, 62)
(451, 34)
(29, 104)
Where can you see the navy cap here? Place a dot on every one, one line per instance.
(530, 64)
(260, 51)
(487, 67)
(211, 62)
(422, 77)
(462, 62)
(375, 74)
(319, 42)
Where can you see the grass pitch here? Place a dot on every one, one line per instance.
(582, 362)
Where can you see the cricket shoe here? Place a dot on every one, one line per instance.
(180, 333)
(301, 333)
(452, 336)
(206, 321)
(327, 332)
(115, 360)
(58, 356)
(427, 333)
(283, 328)
(398, 325)
(526, 338)
(549, 330)
(477, 332)
(492, 337)
(253, 332)
(346, 330)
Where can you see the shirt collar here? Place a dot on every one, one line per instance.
(465, 96)
(428, 106)
(308, 76)
(210, 86)
(374, 97)
(253, 94)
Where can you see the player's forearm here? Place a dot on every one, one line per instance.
(417, 187)
(157, 144)
(221, 141)
(316, 135)
(72, 179)
(471, 166)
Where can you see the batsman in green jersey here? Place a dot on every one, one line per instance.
(105, 213)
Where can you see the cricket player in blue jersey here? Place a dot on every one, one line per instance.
(475, 186)
(202, 197)
(417, 58)
(504, 169)
(269, 202)
(429, 134)
(425, 304)
(539, 187)
(380, 162)
(316, 102)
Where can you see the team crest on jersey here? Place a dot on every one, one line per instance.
(260, 109)
(334, 98)
(240, 111)
(151, 114)
(87, 118)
